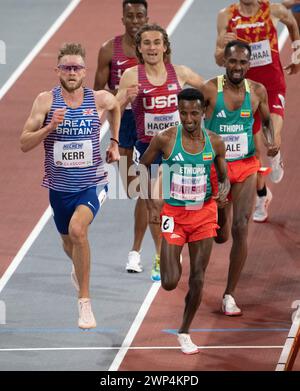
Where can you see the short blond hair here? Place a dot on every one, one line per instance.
(71, 49)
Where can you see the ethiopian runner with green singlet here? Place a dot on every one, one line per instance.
(231, 101)
(189, 214)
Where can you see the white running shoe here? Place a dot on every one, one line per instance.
(229, 306)
(260, 214)
(134, 262)
(86, 317)
(277, 168)
(187, 346)
(74, 278)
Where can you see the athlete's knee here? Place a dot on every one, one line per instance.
(77, 232)
(222, 236)
(240, 226)
(169, 283)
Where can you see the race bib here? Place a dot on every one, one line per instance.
(167, 224)
(73, 154)
(236, 145)
(188, 188)
(154, 123)
(260, 53)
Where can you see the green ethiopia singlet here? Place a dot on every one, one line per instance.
(235, 127)
(186, 176)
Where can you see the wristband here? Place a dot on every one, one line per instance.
(115, 140)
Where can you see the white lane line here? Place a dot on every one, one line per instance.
(155, 287)
(135, 348)
(179, 16)
(38, 47)
(134, 327)
(283, 38)
(291, 344)
(25, 247)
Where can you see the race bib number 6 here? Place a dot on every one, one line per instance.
(167, 224)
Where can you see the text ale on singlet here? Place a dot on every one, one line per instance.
(236, 145)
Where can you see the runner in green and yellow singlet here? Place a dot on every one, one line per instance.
(231, 101)
(189, 214)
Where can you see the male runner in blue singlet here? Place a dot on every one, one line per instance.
(67, 121)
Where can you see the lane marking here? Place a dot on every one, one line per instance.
(38, 47)
(291, 346)
(40, 330)
(25, 247)
(283, 38)
(229, 330)
(179, 16)
(136, 348)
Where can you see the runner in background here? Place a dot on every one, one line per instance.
(115, 56)
(294, 6)
(152, 87)
(254, 22)
(231, 103)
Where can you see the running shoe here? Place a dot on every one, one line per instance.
(229, 306)
(155, 272)
(260, 214)
(134, 262)
(86, 317)
(187, 346)
(74, 278)
(277, 168)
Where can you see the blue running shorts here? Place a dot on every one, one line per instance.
(296, 8)
(127, 133)
(64, 204)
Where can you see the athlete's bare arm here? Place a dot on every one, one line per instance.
(34, 132)
(107, 101)
(279, 12)
(223, 37)
(290, 3)
(186, 75)
(128, 88)
(264, 112)
(209, 91)
(103, 65)
(160, 143)
(221, 169)
(284, 16)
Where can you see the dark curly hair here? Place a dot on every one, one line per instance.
(151, 27)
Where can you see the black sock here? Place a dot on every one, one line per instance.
(262, 192)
